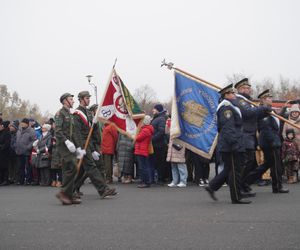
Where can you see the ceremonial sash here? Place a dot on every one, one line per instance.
(83, 117)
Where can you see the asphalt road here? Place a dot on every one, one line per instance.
(153, 218)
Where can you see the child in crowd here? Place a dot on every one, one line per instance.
(290, 156)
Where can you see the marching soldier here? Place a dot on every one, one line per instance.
(83, 121)
(82, 176)
(270, 142)
(250, 114)
(67, 147)
(230, 143)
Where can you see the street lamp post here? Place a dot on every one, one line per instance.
(89, 77)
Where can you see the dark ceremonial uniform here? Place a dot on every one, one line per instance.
(65, 130)
(250, 115)
(230, 144)
(270, 142)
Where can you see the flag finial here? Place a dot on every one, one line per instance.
(169, 65)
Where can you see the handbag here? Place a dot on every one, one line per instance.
(178, 147)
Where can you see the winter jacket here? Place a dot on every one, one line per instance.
(159, 124)
(4, 148)
(25, 139)
(175, 155)
(125, 150)
(44, 147)
(109, 139)
(297, 131)
(143, 140)
(13, 144)
(290, 150)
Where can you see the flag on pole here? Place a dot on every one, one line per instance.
(194, 118)
(118, 105)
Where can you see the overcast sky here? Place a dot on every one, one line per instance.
(48, 47)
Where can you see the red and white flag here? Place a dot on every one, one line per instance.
(116, 108)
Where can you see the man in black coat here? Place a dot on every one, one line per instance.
(4, 152)
(159, 141)
(250, 115)
(270, 142)
(230, 143)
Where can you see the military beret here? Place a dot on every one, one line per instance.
(83, 94)
(242, 83)
(64, 96)
(227, 89)
(264, 94)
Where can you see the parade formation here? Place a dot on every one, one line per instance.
(223, 126)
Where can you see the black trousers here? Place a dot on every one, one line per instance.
(272, 161)
(231, 171)
(160, 163)
(249, 165)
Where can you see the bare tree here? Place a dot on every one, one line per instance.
(145, 97)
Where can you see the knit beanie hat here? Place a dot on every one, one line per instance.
(159, 107)
(147, 120)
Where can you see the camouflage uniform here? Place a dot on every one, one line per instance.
(65, 130)
(88, 164)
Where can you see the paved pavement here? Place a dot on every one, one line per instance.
(154, 218)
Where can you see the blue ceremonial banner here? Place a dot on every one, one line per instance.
(194, 114)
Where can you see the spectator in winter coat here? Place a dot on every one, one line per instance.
(44, 149)
(159, 141)
(13, 127)
(25, 139)
(176, 155)
(4, 152)
(125, 153)
(108, 148)
(141, 150)
(290, 156)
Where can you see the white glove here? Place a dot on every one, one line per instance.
(80, 153)
(35, 143)
(70, 145)
(96, 155)
(95, 119)
(37, 151)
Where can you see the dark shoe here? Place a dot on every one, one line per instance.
(108, 192)
(247, 188)
(281, 191)
(65, 200)
(211, 193)
(143, 186)
(35, 183)
(241, 202)
(247, 194)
